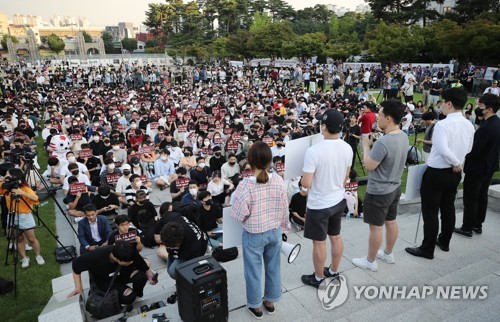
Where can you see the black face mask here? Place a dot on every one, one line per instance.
(279, 145)
(126, 172)
(208, 202)
(187, 155)
(232, 163)
(217, 154)
(75, 172)
(479, 112)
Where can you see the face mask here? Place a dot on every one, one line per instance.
(193, 191)
(75, 124)
(187, 155)
(303, 189)
(111, 166)
(279, 145)
(479, 112)
(96, 139)
(218, 154)
(136, 164)
(137, 183)
(105, 197)
(202, 165)
(227, 118)
(206, 143)
(116, 147)
(75, 172)
(126, 172)
(133, 126)
(245, 138)
(208, 202)
(71, 159)
(232, 163)
(96, 124)
(164, 157)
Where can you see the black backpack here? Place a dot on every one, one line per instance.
(62, 255)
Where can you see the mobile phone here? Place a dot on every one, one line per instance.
(159, 317)
(155, 278)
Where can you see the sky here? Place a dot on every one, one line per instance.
(110, 12)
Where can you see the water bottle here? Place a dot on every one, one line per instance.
(348, 216)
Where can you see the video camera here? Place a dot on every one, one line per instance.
(9, 184)
(23, 155)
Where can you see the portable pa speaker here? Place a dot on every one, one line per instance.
(202, 290)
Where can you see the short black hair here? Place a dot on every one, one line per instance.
(133, 177)
(203, 194)
(120, 219)
(490, 101)
(428, 116)
(393, 108)
(124, 251)
(164, 208)
(53, 161)
(457, 96)
(89, 207)
(172, 234)
(104, 190)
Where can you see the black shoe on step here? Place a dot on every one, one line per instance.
(416, 251)
(477, 230)
(440, 245)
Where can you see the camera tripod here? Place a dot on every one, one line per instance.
(356, 152)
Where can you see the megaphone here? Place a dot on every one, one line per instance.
(290, 251)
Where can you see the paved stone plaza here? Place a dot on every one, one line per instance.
(473, 261)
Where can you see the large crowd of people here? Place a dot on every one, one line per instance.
(207, 137)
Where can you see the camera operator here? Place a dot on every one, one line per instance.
(354, 136)
(14, 184)
(429, 119)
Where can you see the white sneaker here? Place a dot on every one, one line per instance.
(12, 246)
(40, 260)
(364, 263)
(77, 219)
(25, 262)
(389, 258)
(28, 247)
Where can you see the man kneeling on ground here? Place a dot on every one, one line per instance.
(103, 262)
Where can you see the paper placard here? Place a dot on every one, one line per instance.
(203, 127)
(112, 179)
(127, 237)
(228, 130)
(232, 146)
(182, 128)
(247, 120)
(268, 141)
(171, 119)
(217, 140)
(236, 137)
(414, 181)
(86, 153)
(260, 132)
(147, 149)
(75, 188)
(351, 186)
(198, 112)
(233, 230)
(215, 110)
(153, 125)
(206, 151)
(280, 167)
(182, 183)
(212, 119)
(75, 137)
(247, 173)
(144, 179)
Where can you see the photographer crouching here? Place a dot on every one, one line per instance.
(14, 186)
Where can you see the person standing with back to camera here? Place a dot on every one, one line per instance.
(326, 170)
(260, 204)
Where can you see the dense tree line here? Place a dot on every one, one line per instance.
(395, 30)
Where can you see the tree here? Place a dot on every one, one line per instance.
(129, 44)
(108, 42)
(467, 10)
(55, 43)
(305, 46)
(268, 41)
(87, 37)
(4, 40)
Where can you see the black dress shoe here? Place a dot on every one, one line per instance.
(465, 233)
(443, 248)
(416, 251)
(477, 230)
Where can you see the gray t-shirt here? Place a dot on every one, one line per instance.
(391, 151)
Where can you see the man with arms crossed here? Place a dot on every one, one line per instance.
(385, 162)
(326, 170)
(451, 141)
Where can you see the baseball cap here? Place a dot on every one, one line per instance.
(331, 118)
(434, 79)
(410, 106)
(126, 167)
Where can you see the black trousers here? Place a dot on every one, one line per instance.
(138, 282)
(438, 192)
(475, 200)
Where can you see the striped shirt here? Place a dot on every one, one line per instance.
(130, 193)
(261, 207)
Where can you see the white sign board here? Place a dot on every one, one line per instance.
(414, 181)
(233, 230)
(295, 153)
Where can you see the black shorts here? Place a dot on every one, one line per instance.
(380, 208)
(320, 222)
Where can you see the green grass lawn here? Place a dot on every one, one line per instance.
(34, 287)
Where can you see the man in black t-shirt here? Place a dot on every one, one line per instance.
(354, 136)
(217, 160)
(143, 216)
(104, 261)
(183, 240)
(210, 216)
(298, 208)
(107, 203)
(123, 227)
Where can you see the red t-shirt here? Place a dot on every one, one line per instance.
(367, 121)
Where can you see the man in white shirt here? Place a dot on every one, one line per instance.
(493, 89)
(230, 168)
(366, 79)
(451, 141)
(408, 118)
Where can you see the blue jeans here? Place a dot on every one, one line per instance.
(172, 264)
(256, 248)
(215, 240)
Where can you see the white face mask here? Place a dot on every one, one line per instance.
(116, 147)
(164, 157)
(96, 139)
(96, 124)
(133, 126)
(193, 191)
(202, 165)
(71, 159)
(303, 189)
(105, 197)
(111, 166)
(245, 138)
(207, 143)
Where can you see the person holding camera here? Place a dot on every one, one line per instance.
(23, 222)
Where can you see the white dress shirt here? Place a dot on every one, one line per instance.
(451, 141)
